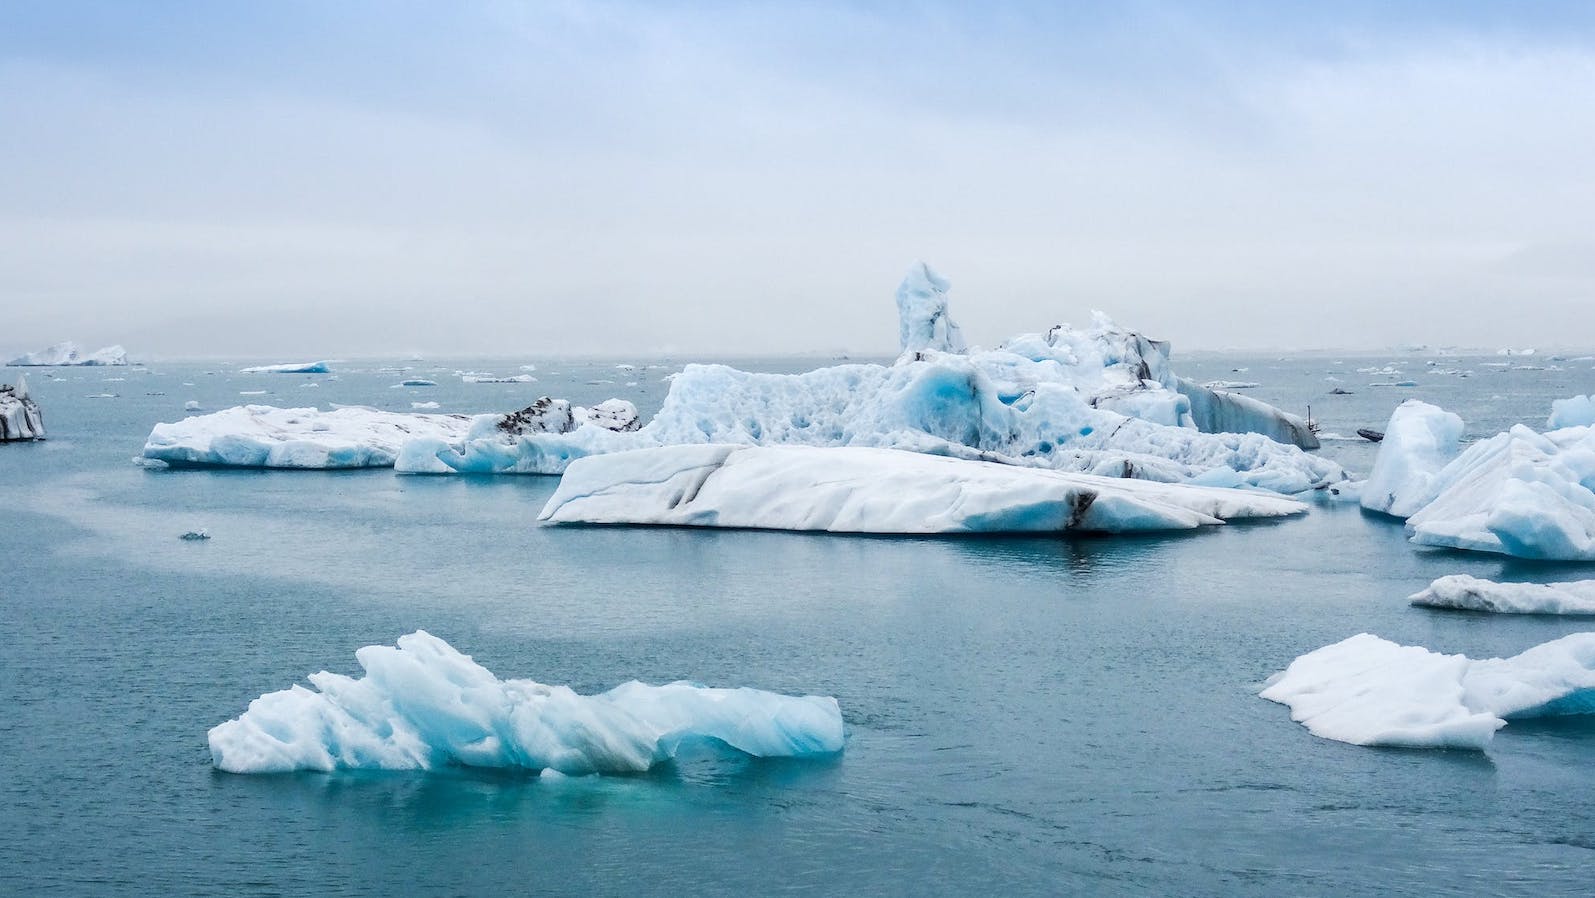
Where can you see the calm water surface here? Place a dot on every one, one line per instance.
(1025, 716)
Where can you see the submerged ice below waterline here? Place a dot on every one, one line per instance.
(1370, 691)
(424, 705)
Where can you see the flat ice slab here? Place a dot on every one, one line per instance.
(1371, 691)
(289, 368)
(262, 436)
(1466, 593)
(424, 705)
(865, 490)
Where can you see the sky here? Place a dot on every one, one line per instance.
(327, 179)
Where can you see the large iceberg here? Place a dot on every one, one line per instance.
(20, 418)
(68, 353)
(1517, 493)
(289, 368)
(262, 436)
(1370, 691)
(1101, 400)
(862, 490)
(1466, 593)
(424, 705)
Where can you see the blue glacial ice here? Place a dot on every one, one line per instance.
(290, 368)
(424, 705)
(887, 491)
(1370, 691)
(1101, 400)
(1519, 493)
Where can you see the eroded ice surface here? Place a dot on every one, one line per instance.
(20, 418)
(262, 436)
(424, 705)
(1369, 691)
(68, 353)
(861, 490)
(1467, 593)
(923, 323)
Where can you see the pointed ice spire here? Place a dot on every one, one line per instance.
(923, 323)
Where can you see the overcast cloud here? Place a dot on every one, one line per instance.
(338, 179)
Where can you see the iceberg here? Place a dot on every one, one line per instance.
(1578, 411)
(885, 491)
(289, 368)
(1465, 593)
(1419, 441)
(1369, 691)
(20, 418)
(424, 705)
(1518, 493)
(1102, 400)
(68, 353)
(263, 436)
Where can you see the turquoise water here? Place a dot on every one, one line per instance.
(1025, 716)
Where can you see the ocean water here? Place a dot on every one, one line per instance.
(1025, 716)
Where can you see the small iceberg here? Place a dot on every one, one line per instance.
(885, 491)
(1371, 691)
(1231, 385)
(289, 368)
(20, 417)
(262, 436)
(491, 379)
(68, 354)
(1465, 593)
(418, 382)
(424, 705)
(195, 535)
(1518, 493)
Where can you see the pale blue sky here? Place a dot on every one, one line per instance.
(344, 178)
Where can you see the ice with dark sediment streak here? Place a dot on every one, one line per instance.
(20, 417)
(882, 491)
(423, 705)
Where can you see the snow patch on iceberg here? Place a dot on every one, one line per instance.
(862, 490)
(1369, 691)
(1465, 593)
(424, 705)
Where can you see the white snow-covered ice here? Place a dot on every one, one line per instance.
(20, 418)
(289, 368)
(424, 705)
(69, 353)
(1465, 593)
(1369, 691)
(263, 436)
(864, 490)
(1420, 440)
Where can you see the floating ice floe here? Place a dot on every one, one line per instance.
(417, 382)
(68, 353)
(1517, 493)
(861, 490)
(262, 436)
(1466, 593)
(490, 379)
(1231, 385)
(195, 535)
(1370, 691)
(424, 406)
(20, 418)
(424, 705)
(289, 368)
